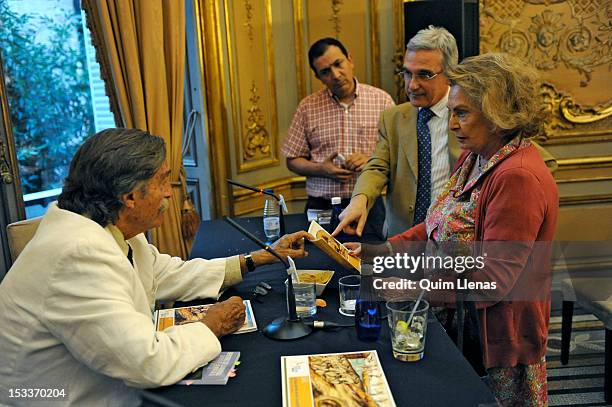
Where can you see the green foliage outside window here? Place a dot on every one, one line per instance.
(49, 96)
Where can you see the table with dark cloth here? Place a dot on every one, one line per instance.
(442, 378)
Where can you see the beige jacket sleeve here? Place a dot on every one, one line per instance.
(375, 175)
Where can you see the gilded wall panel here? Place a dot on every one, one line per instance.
(399, 48)
(252, 83)
(569, 42)
(353, 22)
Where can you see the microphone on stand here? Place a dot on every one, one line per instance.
(290, 326)
(279, 198)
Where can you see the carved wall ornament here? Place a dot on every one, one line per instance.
(544, 2)
(252, 87)
(256, 138)
(585, 8)
(248, 24)
(335, 17)
(576, 35)
(504, 10)
(551, 102)
(547, 29)
(515, 43)
(564, 113)
(398, 59)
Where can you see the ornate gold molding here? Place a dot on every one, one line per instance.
(335, 17)
(584, 162)
(248, 24)
(298, 26)
(256, 139)
(585, 199)
(574, 113)
(10, 145)
(375, 43)
(578, 40)
(565, 114)
(583, 179)
(255, 124)
(399, 47)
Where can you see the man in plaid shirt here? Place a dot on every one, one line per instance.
(334, 131)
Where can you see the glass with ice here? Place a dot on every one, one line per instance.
(408, 329)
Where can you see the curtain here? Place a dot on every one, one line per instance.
(140, 45)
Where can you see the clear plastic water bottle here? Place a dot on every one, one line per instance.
(271, 218)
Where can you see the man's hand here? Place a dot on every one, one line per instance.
(353, 217)
(288, 245)
(225, 317)
(329, 170)
(356, 161)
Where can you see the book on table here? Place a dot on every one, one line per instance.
(216, 372)
(165, 318)
(349, 379)
(332, 247)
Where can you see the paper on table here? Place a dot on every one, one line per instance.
(216, 372)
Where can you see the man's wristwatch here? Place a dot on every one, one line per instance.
(250, 263)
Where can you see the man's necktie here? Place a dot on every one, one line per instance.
(423, 195)
(130, 255)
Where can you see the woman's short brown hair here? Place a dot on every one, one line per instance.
(504, 89)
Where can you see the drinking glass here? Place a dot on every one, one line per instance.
(349, 291)
(408, 327)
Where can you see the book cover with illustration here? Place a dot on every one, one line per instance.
(165, 318)
(332, 247)
(351, 379)
(216, 372)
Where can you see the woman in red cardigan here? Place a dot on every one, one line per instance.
(500, 191)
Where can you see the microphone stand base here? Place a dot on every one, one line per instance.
(283, 329)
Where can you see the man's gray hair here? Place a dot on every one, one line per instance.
(436, 38)
(108, 165)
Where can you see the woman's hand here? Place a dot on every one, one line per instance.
(354, 247)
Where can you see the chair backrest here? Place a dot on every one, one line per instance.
(20, 233)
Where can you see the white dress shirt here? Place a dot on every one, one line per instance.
(438, 129)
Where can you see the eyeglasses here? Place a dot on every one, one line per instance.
(422, 76)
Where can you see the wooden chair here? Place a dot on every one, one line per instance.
(20, 233)
(593, 292)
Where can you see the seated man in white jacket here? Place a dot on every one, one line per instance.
(76, 307)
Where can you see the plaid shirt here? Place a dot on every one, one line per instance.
(321, 126)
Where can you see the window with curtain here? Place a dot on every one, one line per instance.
(55, 94)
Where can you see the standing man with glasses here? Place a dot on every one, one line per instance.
(415, 151)
(334, 130)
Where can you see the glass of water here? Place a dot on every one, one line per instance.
(408, 327)
(349, 291)
(305, 299)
